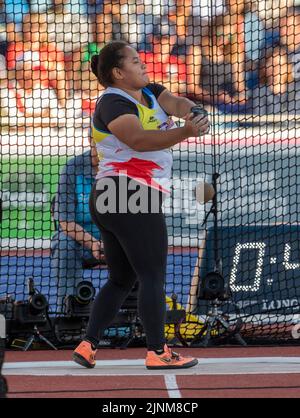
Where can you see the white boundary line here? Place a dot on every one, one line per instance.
(206, 366)
(13, 244)
(172, 387)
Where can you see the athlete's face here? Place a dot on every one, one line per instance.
(133, 73)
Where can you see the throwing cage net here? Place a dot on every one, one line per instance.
(240, 61)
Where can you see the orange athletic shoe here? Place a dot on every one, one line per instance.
(168, 360)
(85, 355)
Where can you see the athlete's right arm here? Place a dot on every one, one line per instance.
(128, 129)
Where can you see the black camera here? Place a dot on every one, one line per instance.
(32, 311)
(79, 304)
(212, 286)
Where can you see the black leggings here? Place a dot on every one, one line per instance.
(135, 248)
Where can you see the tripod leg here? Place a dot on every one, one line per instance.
(29, 342)
(222, 321)
(47, 341)
(208, 333)
(131, 335)
(240, 339)
(179, 336)
(235, 333)
(126, 343)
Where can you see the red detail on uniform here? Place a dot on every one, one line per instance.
(138, 169)
(158, 71)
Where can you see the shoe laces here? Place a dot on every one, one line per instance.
(173, 354)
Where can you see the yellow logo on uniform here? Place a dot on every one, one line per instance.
(152, 119)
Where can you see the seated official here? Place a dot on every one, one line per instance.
(77, 239)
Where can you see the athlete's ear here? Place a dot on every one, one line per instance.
(117, 73)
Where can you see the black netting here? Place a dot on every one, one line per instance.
(239, 59)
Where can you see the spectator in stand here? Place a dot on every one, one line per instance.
(8, 34)
(290, 37)
(106, 22)
(278, 92)
(129, 20)
(85, 74)
(29, 97)
(251, 36)
(40, 6)
(3, 19)
(10, 26)
(35, 68)
(77, 238)
(191, 19)
(86, 86)
(165, 53)
(191, 73)
(14, 11)
(186, 25)
(93, 10)
(207, 10)
(70, 32)
(270, 13)
(93, 7)
(214, 67)
(162, 67)
(89, 89)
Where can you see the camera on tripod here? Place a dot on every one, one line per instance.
(79, 304)
(212, 287)
(34, 310)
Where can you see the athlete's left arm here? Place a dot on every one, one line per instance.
(174, 105)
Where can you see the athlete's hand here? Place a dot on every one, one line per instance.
(196, 126)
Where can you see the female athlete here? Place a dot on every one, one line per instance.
(133, 132)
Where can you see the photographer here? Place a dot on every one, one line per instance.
(77, 238)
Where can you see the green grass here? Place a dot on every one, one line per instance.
(34, 177)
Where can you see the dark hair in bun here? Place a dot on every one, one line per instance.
(110, 56)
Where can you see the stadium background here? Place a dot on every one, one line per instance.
(255, 149)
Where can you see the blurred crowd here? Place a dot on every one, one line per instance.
(237, 55)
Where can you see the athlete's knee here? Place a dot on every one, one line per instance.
(124, 282)
(155, 278)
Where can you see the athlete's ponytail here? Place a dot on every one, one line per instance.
(94, 64)
(110, 56)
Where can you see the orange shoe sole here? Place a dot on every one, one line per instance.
(82, 361)
(191, 363)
